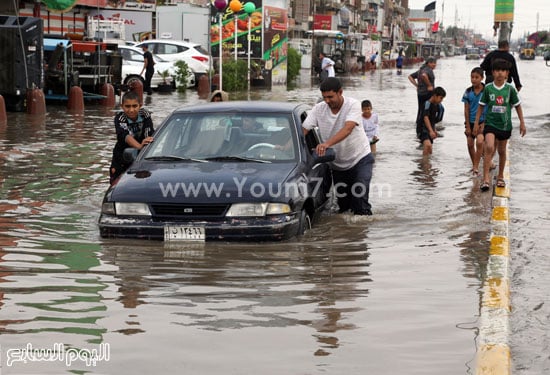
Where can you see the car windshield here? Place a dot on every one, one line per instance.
(222, 137)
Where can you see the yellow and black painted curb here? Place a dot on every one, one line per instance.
(493, 353)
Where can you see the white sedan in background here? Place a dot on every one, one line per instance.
(132, 65)
(195, 56)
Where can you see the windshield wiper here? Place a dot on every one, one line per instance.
(174, 158)
(236, 158)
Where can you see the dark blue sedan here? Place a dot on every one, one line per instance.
(222, 171)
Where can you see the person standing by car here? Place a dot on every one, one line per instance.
(501, 53)
(148, 68)
(134, 128)
(339, 120)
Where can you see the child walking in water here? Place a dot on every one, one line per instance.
(370, 124)
(470, 98)
(432, 113)
(499, 97)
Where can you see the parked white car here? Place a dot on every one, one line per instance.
(132, 65)
(197, 58)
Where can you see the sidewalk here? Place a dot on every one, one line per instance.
(493, 353)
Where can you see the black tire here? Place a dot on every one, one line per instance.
(305, 223)
(128, 80)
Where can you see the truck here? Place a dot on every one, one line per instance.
(86, 64)
(527, 51)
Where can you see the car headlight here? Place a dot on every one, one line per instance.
(277, 208)
(132, 209)
(108, 208)
(257, 209)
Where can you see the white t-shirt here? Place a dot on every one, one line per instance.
(352, 148)
(328, 65)
(371, 126)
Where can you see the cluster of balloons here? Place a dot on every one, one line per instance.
(234, 5)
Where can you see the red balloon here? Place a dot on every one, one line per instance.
(220, 4)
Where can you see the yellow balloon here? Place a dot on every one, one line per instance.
(235, 6)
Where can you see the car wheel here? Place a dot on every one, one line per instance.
(305, 223)
(129, 80)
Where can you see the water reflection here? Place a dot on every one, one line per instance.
(238, 286)
(426, 175)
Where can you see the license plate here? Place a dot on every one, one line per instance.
(181, 233)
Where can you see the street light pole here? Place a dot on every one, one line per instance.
(220, 6)
(249, 37)
(249, 8)
(220, 50)
(236, 6)
(236, 36)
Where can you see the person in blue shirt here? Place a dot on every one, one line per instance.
(470, 98)
(373, 59)
(399, 63)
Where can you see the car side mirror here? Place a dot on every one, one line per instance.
(129, 154)
(329, 155)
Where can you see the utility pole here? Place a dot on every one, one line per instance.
(313, 42)
(504, 16)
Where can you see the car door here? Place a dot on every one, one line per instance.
(319, 175)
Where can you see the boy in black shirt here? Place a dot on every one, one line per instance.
(432, 113)
(134, 128)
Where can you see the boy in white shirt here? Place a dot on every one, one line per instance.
(370, 124)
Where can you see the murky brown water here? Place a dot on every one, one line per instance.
(396, 293)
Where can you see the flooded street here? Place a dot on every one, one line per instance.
(395, 293)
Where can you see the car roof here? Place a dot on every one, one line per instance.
(257, 106)
(172, 41)
(136, 49)
(156, 57)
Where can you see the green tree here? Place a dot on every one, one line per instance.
(294, 64)
(182, 74)
(235, 75)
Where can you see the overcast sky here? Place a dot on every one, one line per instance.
(479, 14)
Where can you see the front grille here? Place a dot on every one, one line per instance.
(189, 210)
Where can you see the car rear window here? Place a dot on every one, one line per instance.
(199, 48)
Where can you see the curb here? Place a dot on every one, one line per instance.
(493, 353)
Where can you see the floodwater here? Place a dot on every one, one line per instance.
(396, 293)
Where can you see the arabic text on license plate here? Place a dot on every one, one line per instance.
(181, 233)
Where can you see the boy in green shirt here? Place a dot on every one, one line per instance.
(499, 97)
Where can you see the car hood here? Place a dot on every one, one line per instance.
(211, 182)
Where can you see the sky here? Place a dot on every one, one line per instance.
(479, 15)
